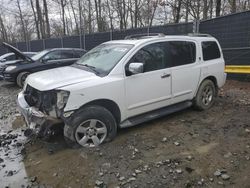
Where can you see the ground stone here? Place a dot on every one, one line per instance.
(164, 139)
(178, 171)
(225, 177)
(138, 171)
(99, 183)
(177, 143)
(121, 178)
(217, 173)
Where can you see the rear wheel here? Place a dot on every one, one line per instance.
(21, 78)
(205, 96)
(91, 126)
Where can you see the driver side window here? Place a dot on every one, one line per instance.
(152, 56)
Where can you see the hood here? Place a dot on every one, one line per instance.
(58, 77)
(17, 52)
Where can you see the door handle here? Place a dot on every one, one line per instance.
(165, 75)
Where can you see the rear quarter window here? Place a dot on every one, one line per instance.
(210, 50)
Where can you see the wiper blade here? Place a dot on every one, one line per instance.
(92, 68)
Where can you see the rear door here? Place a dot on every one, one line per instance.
(67, 58)
(185, 69)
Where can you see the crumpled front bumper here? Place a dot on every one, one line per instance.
(34, 118)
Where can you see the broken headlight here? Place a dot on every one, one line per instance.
(62, 98)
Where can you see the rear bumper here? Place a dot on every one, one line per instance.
(224, 79)
(34, 118)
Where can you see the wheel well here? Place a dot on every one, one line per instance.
(214, 80)
(109, 105)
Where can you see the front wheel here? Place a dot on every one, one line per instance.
(205, 96)
(21, 78)
(91, 126)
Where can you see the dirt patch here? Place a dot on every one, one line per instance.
(185, 149)
(206, 148)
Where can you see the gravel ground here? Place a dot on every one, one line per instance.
(186, 149)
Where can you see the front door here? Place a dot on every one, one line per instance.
(151, 89)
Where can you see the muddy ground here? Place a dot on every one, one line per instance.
(185, 149)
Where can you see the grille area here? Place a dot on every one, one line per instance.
(43, 100)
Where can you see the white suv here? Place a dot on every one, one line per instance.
(123, 83)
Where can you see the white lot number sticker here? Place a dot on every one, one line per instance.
(120, 49)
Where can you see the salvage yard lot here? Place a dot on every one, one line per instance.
(186, 149)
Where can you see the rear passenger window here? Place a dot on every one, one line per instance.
(210, 50)
(67, 54)
(180, 52)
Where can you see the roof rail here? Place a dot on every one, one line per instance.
(199, 35)
(144, 35)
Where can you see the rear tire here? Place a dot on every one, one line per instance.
(21, 78)
(90, 127)
(205, 96)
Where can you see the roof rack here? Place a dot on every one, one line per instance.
(199, 35)
(144, 35)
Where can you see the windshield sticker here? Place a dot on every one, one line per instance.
(120, 49)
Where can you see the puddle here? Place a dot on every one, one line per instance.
(12, 170)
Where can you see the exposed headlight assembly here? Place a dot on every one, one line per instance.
(62, 98)
(10, 68)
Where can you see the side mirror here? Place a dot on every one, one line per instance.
(44, 60)
(135, 68)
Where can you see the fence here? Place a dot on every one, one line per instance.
(232, 31)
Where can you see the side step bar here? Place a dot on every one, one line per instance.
(155, 114)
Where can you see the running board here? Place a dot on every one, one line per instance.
(155, 114)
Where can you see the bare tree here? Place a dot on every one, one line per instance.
(35, 19)
(40, 19)
(63, 3)
(233, 5)
(75, 17)
(218, 8)
(46, 18)
(20, 14)
(205, 9)
(3, 31)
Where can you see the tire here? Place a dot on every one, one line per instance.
(205, 96)
(90, 127)
(21, 78)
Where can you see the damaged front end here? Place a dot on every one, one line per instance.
(42, 109)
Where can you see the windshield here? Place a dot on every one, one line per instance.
(104, 57)
(39, 55)
(6, 55)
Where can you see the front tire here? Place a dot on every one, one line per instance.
(205, 96)
(90, 127)
(21, 78)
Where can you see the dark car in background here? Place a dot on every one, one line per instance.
(47, 59)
